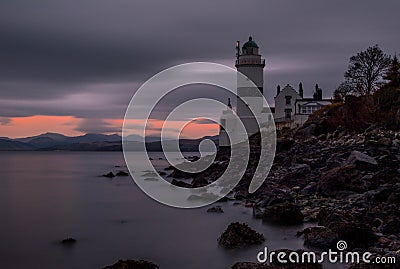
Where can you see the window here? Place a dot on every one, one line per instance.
(288, 114)
(288, 100)
(309, 109)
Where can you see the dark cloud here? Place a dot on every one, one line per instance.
(96, 126)
(87, 58)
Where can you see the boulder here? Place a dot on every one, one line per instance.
(320, 237)
(362, 161)
(122, 174)
(68, 241)
(109, 175)
(344, 178)
(239, 235)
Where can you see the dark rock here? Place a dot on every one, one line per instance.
(122, 174)
(215, 209)
(239, 235)
(180, 183)
(362, 161)
(109, 175)
(284, 214)
(131, 264)
(320, 237)
(306, 131)
(357, 235)
(345, 178)
(68, 241)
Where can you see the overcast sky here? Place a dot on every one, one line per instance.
(86, 58)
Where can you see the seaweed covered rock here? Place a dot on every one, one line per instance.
(239, 235)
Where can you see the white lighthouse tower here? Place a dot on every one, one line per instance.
(250, 64)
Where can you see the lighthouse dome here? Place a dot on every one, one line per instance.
(250, 44)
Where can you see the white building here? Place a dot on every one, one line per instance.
(291, 108)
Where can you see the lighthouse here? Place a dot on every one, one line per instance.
(249, 63)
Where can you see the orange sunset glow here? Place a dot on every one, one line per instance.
(67, 125)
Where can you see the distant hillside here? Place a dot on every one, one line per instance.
(7, 144)
(93, 142)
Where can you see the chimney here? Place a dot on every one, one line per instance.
(301, 93)
(278, 90)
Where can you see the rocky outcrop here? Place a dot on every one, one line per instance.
(239, 235)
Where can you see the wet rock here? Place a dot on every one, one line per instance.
(269, 199)
(320, 237)
(122, 174)
(180, 183)
(283, 214)
(132, 264)
(109, 175)
(215, 209)
(362, 161)
(68, 241)
(344, 178)
(239, 235)
(357, 235)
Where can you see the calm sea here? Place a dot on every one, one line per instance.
(48, 196)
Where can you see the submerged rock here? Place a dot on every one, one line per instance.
(215, 209)
(132, 264)
(122, 174)
(109, 175)
(239, 235)
(68, 241)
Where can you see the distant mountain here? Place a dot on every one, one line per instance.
(94, 142)
(90, 138)
(7, 144)
(53, 136)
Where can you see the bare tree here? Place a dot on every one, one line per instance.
(366, 70)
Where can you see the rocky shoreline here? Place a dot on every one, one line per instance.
(347, 185)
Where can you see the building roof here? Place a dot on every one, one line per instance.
(250, 43)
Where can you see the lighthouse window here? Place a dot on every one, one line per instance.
(288, 100)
